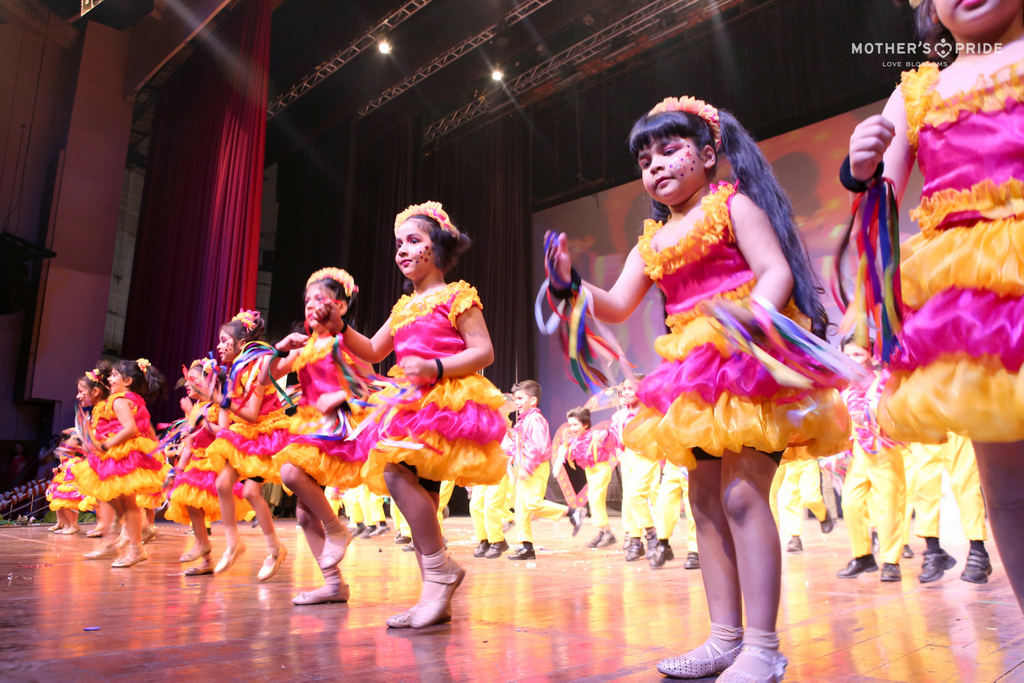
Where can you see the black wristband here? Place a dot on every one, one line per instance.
(574, 286)
(344, 326)
(851, 183)
(278, 353)
(440, 370)
(225, 403)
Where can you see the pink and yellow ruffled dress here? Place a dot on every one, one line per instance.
(250, 447)
(705, 394)
(962, 343)
(450, 431)
(196, 485)
(63, 492)
(329, 462)
(128, 469)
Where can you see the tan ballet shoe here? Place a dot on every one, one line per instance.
(272, 564)
(56, 527)
(202, 569)
(228, 558)
(149, 534)
(449, 574)
(317, 598)
(335, 546)
(776, 660)
(404, 620)
(95, 533)
(715, 662)
(194, 553)
(70, 531)
(105, 553)
(130, 560)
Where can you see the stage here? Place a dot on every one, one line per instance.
(574, 614)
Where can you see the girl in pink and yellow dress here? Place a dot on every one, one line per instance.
(442, 420)
(253, 429)
(194, 498)
(707, 407)
(124, 467)
(65, 499)
(311, 461)
(958, 365)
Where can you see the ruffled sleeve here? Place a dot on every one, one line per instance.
(464, 298)
(916, 86)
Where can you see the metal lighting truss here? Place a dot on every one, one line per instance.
(339, 60)
(519, 13)
(642, 25)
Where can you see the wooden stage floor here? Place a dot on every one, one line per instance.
(575, 614)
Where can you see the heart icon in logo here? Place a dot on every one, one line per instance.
(943, 48)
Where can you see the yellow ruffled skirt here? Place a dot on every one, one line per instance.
(958, 368)
(450, 431)
(250, 447)
(329, 463)
(123, 470)
(707, 396)
(196, 486)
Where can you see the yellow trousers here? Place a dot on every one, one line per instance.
(373, 508)
(797, 485)
(401, 523)
(674, 492)
(530, 502)
(486, 507)
(510, 500)
(443, 497)
(598, 478)
(353, 500)
(639, 490)
(910, 473)
(957, 457)
(875, 482)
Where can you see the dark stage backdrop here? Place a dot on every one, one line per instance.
(198, 235)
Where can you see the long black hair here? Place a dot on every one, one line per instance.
(756, 180)
(337, 292)
(236, 330)
(102, 373)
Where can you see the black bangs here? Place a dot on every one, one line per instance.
(650, 129)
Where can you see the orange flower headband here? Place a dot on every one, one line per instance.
(247, 318)
(339, 276)
(143, 365)
(431, 209)
(93, 377)
(691, 105)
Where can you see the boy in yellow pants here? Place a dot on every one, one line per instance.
(531, 455)
(798, 484)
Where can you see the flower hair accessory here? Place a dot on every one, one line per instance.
(690, 105)
(144, 365)
(93, 377)
(338, 275)
(247, 318)
(432, 210)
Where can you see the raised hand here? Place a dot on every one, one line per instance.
(870, 139)
(557, 262)
(295, 340)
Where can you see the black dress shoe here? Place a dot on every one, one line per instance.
(858, 565)
(890, 573)
(907, 553)
(523, 554)
(827, 524)
(496, 549)
(977, 568)
(592, 543)
(481, 549)
(795, 545)
(576, 516)
(935, 565)
(402, 539)
(692, 561)
(408, 548)
(635, 550)
(662, 554)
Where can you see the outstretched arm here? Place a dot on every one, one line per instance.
(371, 349)
(618, 303)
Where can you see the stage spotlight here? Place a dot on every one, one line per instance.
(497, 75)
(384, 46)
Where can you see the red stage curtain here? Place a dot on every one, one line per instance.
(197, 247)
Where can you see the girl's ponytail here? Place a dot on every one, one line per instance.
(757, 180)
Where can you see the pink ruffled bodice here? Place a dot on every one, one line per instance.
(427, 328)
(107, 424)
(721, 269)
(317, 371)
